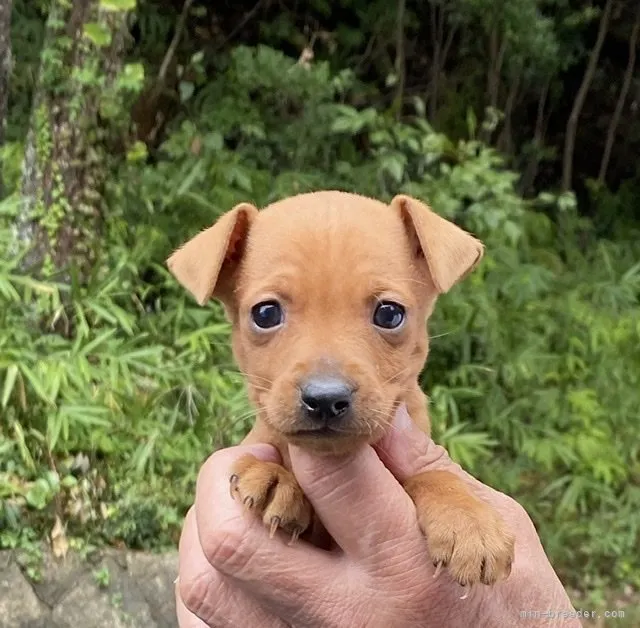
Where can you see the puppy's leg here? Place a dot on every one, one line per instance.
(273, 493)
(463, 533)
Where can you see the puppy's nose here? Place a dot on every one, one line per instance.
(326, 398)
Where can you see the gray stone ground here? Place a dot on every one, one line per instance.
(111, 588)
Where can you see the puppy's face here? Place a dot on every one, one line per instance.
(328, 294)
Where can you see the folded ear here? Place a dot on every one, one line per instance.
(205, 263)
(450, 252)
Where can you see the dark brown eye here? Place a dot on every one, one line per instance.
(267, 315)
(388, 315)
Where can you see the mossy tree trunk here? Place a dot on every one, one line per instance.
(5, 68)
(76, 112)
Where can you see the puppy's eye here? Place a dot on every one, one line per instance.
(388, 315)
(267, 315)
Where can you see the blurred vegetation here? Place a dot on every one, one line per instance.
(130, 126)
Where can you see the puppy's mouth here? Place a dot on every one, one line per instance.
(327, 439)
(324, 432)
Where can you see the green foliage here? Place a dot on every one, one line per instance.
(113, 393)
(141, 385)
(102, 577)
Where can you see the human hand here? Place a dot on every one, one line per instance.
(232, 574)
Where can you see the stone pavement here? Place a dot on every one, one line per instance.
(111, 588)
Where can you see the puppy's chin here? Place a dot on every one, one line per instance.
(328, 444)
(330, 440)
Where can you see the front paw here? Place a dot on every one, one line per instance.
(463, 533)
(273, 493)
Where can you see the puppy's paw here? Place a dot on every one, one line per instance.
(463, 533)
(273, 493)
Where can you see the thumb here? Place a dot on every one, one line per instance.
(406, 450)
(357, 499)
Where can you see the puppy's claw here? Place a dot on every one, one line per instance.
(270, 491)
(294, 536)
(275, 522)
(438, 566)
(465, 595)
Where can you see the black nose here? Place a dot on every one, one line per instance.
(325, 398)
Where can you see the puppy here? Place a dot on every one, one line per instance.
(328, 294)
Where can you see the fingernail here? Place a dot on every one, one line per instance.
(403, 421)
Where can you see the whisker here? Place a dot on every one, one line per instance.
(252, 378)
(396, 375)
(260, 388)
(249, 375)
(243, 417)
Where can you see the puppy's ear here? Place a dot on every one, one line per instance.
(450, 252)
(204, 264)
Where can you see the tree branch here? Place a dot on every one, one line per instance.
(578, 103)
(400, 60)
(624, 91)
(173, 46)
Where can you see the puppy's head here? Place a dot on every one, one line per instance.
(328, 294)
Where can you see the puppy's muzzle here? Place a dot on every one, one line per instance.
(325, 400)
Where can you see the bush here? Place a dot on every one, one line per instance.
(112, 395)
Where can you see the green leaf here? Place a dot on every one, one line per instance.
(137, 152)
(96, 342)
(186, 89)
(36, 383)
(39, 494)
(419, 106)
(68, 481)
(86, 416)
(9, 382)
(189, 180)
(132, 77)
(118, 5)
(472, 122)
(97, 33)
(343, 124)
(395, 166)
(55, 425)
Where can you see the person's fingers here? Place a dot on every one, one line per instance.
(237, 543)
(205, 597)
(186, 619)
(357, 499)
(406, 450)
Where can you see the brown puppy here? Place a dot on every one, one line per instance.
(328, 294)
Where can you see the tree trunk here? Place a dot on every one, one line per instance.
(505, 139)
(497, 50)
(531, 169)
(578, 103)
(441, 47)
(400, 58)
(75, 112)
(5, 69)
(624, 91)
(435, 63)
